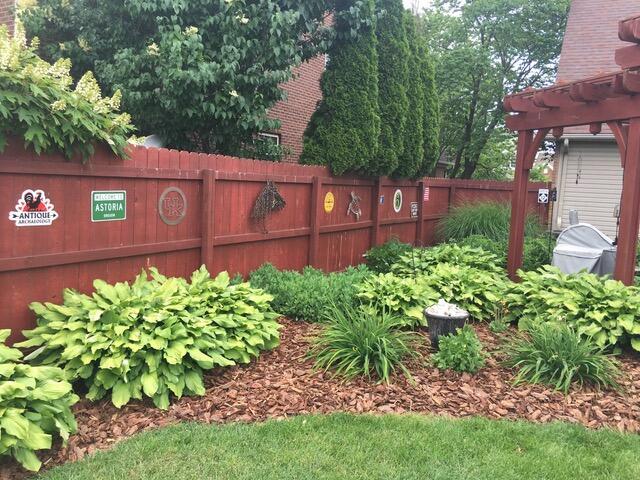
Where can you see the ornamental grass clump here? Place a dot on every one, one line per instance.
(35, 406)
(461, 351)
(39, 106)
(356, 343)
(556, 355)
(155, 337)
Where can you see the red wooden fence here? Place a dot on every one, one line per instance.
(36, 263)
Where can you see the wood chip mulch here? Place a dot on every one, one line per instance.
(282, 383)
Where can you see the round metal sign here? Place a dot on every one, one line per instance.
(397, 200)
(329, 202)
(172, 206)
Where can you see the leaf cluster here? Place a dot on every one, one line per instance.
(154, 337)
(603, 309)
(460, 351)
(420, 261)
(35, 405)
(380, 259)
(38, 105)
(308, 295)
(355, 343)
(556, 355)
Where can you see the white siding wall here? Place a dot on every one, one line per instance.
(590, 181)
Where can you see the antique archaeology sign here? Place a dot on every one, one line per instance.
(33, 209)
(329, 202)
(172, 206)
(108, 205)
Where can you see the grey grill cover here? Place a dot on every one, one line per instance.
(584, 247)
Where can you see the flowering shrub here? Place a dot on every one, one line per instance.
(38, 104)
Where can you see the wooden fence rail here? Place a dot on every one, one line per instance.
(206, 202)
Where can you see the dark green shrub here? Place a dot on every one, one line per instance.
(460, 351)
(495, 247)
(153, 337)
(343, 132)
(556, 355)
(35, 405)
(310, 294)
(356, 343)
(605, 310)
(393, 54)
(380, 259)
(411, 157)
(421, 261)
(488, 219)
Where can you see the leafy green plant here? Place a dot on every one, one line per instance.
(421, 261)
(38, 105)
(556, 355)
(605, 310)
(310, 294)
(380, 259)
(154, 337)
(460, 351)
(488, 219)
(477, 291)
(356, 343)
(35, 405)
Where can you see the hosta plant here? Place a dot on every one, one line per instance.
(403, 297)
(380, 259)
(603, 309)
(460, 351)
(422, 260)
(35, 406)
(355, 343)
(554, 354)
(154, 337)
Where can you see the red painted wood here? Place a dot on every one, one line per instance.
(629, 208)
(208, 212)
(316, 208)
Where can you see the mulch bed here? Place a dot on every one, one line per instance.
(282, 383)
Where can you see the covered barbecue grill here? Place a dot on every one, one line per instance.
(584, 247)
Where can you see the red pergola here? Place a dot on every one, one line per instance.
(612, 99)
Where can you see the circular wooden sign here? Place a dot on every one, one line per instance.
(397, 201)
(172, 206)
(329, 202)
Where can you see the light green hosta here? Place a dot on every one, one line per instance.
(154, 337)
(420, 261)
(35, 404)
(604, 309)
(477, 291)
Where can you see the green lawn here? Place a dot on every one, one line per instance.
(366, 447)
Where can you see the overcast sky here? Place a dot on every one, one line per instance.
(420, 3)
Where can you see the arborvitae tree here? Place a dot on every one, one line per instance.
(412, 157)
(393, 54)
(343, 132)
(431, 111)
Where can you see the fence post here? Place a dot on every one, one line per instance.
(420, 226)
(375, 212)
(208, 208)
(452, 195)
(314, 238)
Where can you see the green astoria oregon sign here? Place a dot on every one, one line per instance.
(107, 205)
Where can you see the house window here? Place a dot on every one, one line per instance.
(271, 137)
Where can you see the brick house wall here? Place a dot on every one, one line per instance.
(7, 13)
(303, 94)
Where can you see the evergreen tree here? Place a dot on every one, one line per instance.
(431, 111)
(412, 157)
(343, 132)
(393, 54)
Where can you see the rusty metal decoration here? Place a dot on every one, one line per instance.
(269, 200)
(354, 206)
(172, 206)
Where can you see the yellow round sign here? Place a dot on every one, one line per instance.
(329, 202)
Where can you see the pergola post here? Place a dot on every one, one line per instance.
(629, 207)
(519, 204)
(528, 146)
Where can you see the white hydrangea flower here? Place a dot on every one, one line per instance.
(191, 30)
(233, 93)
(59, 105)
(153, 49)
(89, 89)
